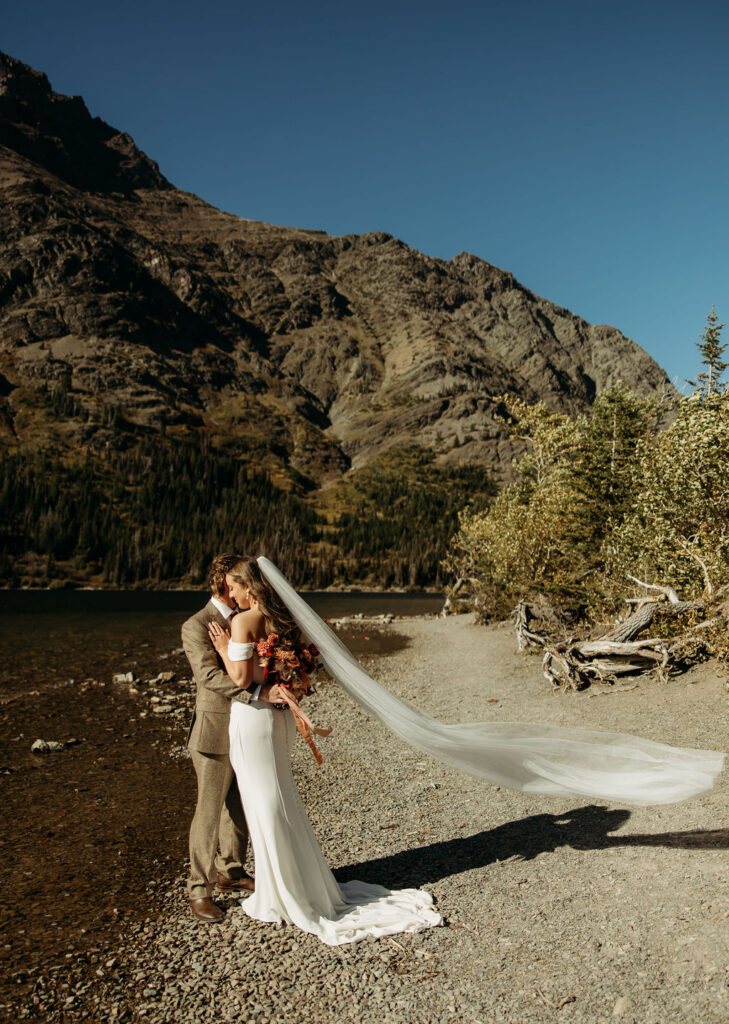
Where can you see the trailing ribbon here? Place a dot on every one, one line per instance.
(305, 726)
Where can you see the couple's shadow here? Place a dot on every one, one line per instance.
(587, 828)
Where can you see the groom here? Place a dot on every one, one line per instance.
(218, 834)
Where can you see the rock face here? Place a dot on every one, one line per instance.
(58, 133)
(155, 310)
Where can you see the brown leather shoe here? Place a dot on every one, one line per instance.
(205, 910)
(234, 884)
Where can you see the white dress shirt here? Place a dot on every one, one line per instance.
(224, 610)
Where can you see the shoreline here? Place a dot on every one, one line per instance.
(354, 588)
(546, 901)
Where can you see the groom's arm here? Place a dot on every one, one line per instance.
(205, 665)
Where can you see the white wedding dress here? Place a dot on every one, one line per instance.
(293, 880)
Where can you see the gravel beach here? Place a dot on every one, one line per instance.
(554, 910)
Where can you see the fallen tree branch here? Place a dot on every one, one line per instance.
(577, 664)
(702, 565)
(668, 592)
(717, 620)
(638, 621)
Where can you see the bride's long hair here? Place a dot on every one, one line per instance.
(276, 616)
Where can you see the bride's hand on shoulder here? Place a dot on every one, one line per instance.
(218, 636)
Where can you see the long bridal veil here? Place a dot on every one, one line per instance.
(545, 759)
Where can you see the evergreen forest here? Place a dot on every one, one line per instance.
(156, 513)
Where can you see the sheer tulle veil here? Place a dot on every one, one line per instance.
(544, 759)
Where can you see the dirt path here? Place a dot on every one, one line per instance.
(626, 909)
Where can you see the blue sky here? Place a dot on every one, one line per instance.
(582, 146)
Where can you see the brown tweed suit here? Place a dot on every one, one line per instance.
(219, 820)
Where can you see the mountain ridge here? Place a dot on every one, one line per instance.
(184, 317)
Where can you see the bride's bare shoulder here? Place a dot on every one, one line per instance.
(247, 626)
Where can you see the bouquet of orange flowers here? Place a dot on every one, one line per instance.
(290, 667)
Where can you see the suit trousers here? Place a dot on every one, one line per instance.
(219, 821)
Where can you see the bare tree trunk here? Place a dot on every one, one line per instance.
(525, 637)
(638, 621)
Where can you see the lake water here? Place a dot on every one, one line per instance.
(329, 604)
(113, 810)
(54, 638)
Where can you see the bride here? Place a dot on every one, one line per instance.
(293, 881)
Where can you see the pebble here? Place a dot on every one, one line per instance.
(48, 746)
(622, 1005)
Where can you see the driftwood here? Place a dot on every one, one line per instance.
(575, 664)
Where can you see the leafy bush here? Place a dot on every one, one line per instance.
(677, 530)
(546, 532)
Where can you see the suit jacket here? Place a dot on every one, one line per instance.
(208, 731)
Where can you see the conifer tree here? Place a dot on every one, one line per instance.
(712, 350)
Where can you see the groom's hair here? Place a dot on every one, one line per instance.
(219, 566)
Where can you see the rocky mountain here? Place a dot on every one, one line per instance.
(154, 312)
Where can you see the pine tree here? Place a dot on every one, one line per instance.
(712, 350)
